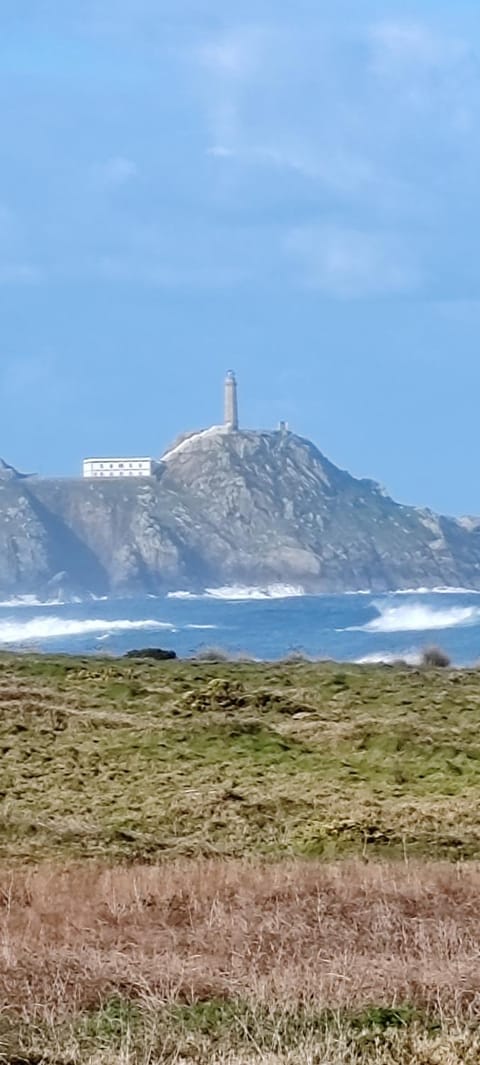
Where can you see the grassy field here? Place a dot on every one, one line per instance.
(156, 901)
(148, 761)
(231, 962)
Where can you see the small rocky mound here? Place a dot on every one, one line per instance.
(219, 694)
(157, 653)
(227, 696)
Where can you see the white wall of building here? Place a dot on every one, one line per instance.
(126, 467)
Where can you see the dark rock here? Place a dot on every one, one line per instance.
(9, 473)
(152, 652)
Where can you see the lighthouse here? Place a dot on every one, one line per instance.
(231, 402)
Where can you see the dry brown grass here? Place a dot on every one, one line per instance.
(238, 962)
(231, 963)
(341, 936)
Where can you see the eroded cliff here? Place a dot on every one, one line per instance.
(243, 507)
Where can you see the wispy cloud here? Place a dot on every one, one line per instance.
(413, 44)
(16, 261)
(220, 151)
(116, 171)
(427, 74)
(359, 133)
(235, 54)
(18, 273)
(362, 126)
(353, 264)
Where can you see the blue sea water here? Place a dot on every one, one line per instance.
(262, 623)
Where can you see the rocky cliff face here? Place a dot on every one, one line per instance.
(244, 507)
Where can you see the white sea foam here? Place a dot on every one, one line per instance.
(201, 627)
(236, 593)
(34, 601)
(31, 601)
(440, 590)
(422, 590)
(412, 658)
(50, 628)
(417, 617)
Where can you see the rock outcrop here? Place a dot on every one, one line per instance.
(241, 507)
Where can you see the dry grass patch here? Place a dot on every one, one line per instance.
(236, 963)
(326, 937)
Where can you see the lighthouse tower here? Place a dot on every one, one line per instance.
(231, 402)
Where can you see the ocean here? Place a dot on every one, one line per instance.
(262, 623)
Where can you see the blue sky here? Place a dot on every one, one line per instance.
(288, 189)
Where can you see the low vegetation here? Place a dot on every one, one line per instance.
(435, 658)
(156, 904)
(233, 962)
(144, 760)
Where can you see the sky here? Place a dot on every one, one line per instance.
(289, 190)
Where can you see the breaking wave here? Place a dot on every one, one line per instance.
(412, 658)
(51, 628)
(32, 600)
(440, 590)
(239, 592)
(417, 617)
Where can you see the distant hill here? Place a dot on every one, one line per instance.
(241, 507)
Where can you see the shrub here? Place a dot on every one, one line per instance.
(435, 658)
(157, 653)
(212, 654)
(296, 657)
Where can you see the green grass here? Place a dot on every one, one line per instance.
(236, 1032)
(145, 760)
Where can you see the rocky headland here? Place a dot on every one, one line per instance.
(226, 507)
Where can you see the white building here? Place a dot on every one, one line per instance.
(129, 467)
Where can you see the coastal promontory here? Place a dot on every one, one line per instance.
(236, 507)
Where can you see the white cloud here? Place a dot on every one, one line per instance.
(289, 120)
(116, 171)
(289, 106)
(403, 41)
(235, 55)
(360, 124)
(18, 273)
(15, 265)
(220, 151)
(156, 273)
(349, 263)
(414, 45)
(230, 65)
